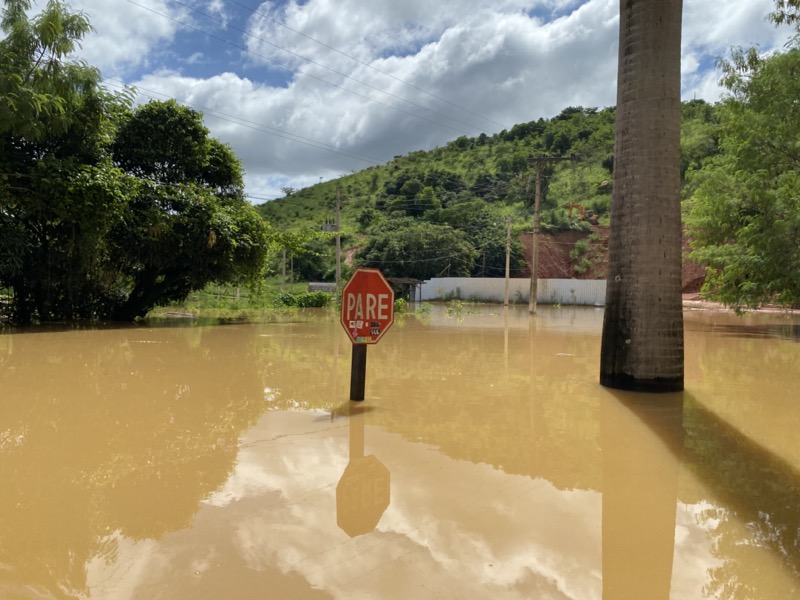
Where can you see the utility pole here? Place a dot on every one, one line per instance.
(283, 271)
(338, 240)
(508, 260)
(283, 262)
(537, 206)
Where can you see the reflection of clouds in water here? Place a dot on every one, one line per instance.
(694, 531)
(133, 563)
(498, 531)
(451, 525)
(453, 528)
(247, 480)
(289, 460)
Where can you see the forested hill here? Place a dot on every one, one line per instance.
(446, 210)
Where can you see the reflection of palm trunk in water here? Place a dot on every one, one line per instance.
(642, 440)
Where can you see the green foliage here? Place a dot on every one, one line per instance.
(485, 227)
(419, 250)
(310, 254)
(786, 11)
(474, 184)
(315, 261)
(187, 223)
(176, 239)
(744, 216)
(492, 169)
(37, 85)
(579, 255)
(168, 143)
(305, 299)
(104, 212)
(699, 135)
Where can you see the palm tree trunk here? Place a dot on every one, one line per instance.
(642, 343)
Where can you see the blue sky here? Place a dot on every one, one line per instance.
(312, 89)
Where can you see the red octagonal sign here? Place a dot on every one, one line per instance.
(367, 306)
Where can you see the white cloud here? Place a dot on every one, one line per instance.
(126, 34)
(482, 65)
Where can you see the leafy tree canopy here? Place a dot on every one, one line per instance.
(37, 84)
(406, 248)
(745, 214)
(485, 226)
(786, 11)
(105, 211)
(187, 223)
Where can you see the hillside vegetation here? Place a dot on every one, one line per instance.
(446, 211)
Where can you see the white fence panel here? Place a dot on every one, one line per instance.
(590, 292)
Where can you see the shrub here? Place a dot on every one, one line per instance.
(304, 299)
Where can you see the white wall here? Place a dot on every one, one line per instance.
(591, 292)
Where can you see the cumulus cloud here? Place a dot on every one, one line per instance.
(126, 35)
(303, 90)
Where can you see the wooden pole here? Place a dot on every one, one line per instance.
(508, 261)
(358, 372)
(537, 206)
(338, 241)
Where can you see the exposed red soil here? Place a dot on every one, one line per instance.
(555, 260)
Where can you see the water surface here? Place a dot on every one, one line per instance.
(486, 462)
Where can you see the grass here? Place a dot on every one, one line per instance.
(233, 303)
(229, 303)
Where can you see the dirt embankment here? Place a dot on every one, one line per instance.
(584, 255)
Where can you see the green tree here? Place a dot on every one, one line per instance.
(164, 142)
(187, 223)
(485, 227)
(37, 84)
(311, 255)
(642, 340)
(786, 11)
(419, 250)
(82, 236)
(58, 193)
(699, 135)
(744, 217)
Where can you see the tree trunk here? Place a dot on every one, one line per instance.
(642, 344)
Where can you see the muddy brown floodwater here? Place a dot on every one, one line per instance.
(226, 462)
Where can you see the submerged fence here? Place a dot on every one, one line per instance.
(590, 292)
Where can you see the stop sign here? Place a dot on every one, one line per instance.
(367, 306)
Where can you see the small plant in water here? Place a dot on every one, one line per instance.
(455, 308)
(424, 309)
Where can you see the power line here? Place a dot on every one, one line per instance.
(264, 198)
(410, 261)
(255, 126)
(332, 70)
(307, 74)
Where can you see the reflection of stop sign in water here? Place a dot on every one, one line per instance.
(367, 306)
(362, 495)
